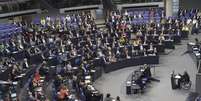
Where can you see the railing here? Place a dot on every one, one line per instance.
(139, 5)
(3, 2)
(25, 12)
(134, 1)
(63, 10)
(7, 6)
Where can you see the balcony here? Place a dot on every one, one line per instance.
(7, 6)
(4, 2)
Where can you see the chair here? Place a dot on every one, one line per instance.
(135, 88)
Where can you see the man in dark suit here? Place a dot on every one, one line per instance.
(25, 64)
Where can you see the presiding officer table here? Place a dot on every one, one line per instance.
(135, 61)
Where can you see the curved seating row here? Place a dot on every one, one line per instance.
(131, 62)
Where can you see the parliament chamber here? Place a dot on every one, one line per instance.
(99, 50)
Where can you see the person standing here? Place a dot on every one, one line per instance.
(108, 97)
(118, 98)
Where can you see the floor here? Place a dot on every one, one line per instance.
(177, 60)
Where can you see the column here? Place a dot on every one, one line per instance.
(168, 8)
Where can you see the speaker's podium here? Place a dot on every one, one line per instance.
(198, 79)
(173, 83)
(174, 86)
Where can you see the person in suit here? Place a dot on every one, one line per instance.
(25, 64)
(147, 71)
(186, 77)
(43, 71)
(108, 97)
(58, 81)
(118, 98)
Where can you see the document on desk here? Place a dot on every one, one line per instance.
(191, 43)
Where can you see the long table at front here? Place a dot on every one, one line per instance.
(131, 62)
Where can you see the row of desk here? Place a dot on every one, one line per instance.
(131, 62)
(132, 83)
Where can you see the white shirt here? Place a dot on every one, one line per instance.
(51, 40)
(194, 21)
(126, 13)
(115, 14)
(188, 21)
(69, 67)
(68, 42)
(151, 47)
(100, 53)
(68, 18)
(141, 47)
(113, 20)
(48, 18)
(118, 51)
(26, 64)
(140, 16)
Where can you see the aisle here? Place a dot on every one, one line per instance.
(177, 60)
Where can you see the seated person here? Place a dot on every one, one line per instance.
(161, 38)
(15, 71)
(135, 52)
(185, 77)
(43, 71)
(126, 53)
(147, 71)
(152, 50)
(185, 28)
(100, 53)
(145, 40)
(122, 40)
(69, 66)
(136, 42)
(117, 98)
(141, 51)
(73, 53)
(139, 33)
(34, 50)
(58, 80)
(112, 57)
(63, 93)
(2, 47)
(25, 64)
(36, 79)
(20, 46)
